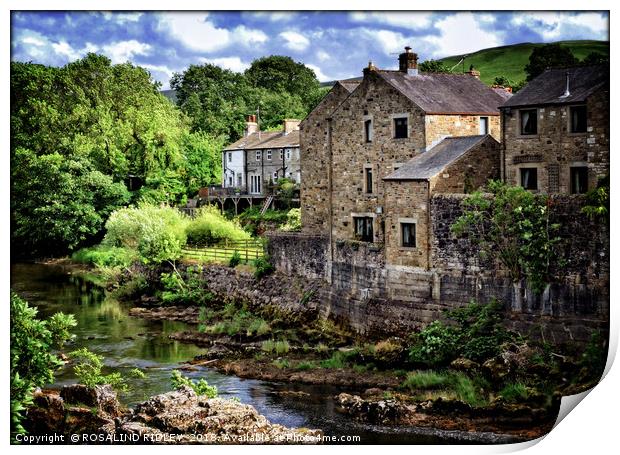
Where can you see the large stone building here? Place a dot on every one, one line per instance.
(556, 131)
(259, 158)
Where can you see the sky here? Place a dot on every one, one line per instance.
(336, 45)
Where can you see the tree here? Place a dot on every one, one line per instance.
(32, 361)
(595, 58)
(433, 66)
(548, 56)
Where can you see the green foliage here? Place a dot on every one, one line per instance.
(281, 363)
(87, 367)
(595, 58)
(187, 289)
(305, 365)
(209, 227)
(201, 387)
(597, 201)
(203, 154)
(263, 267)
(279, 347)
(594, 358)
(32, 361)
(513, 227)
(105, 256)
(157, 233)
(548, 56)
(514, 392)
(136, 373)
(426, 380)
(336, 361)
(293, 221)
(458, 384)
(433, 66)
(477, 333)
(235, 259)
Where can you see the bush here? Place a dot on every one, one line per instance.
(293, 221)
(209, 227)
(157, 233)
(337, 360)
(263, 267)
(279, 347)
(514, 392)
(235, 259)
(186, 290)
(436, 344)
(306, 365)
(32, 361)
(105, 256)
(87, 368)
(201, 387)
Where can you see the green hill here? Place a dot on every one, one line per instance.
(510, 60)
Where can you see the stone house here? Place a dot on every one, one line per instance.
(386, 120)
(259, 158)
(556, 131)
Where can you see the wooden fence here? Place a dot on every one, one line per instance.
(248, 250)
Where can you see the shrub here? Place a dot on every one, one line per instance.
(105, 256)
(258, 327)
(281, 363)
(32, 361)
(87, 368)
(157, 233)
(185, 290)
(137, 373)
(235, 259)
(514, 392)
(201, 387)
(387, 352)
(436, 344)
(263, 267)
(210, 227)
(337, 360)
(306, 365)
(293, 221)
(426, 380)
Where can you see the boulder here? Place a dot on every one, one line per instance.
(463, 364)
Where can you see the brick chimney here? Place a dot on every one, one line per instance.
(371, 67)
(289, 125)
(251, 126)
(408, 62)
(473, 72)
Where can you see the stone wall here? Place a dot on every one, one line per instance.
(298, 254)
(554, 149)
(441, 126)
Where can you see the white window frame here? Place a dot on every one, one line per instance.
(269, 154)
(259, 155)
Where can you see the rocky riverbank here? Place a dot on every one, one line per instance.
(178, 417)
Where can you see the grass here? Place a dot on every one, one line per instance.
(279, 347)
(305, 365)
(510, 61)
(426, 380)
(455, 385)
(514, 392)
(337, 360)
(281, 363)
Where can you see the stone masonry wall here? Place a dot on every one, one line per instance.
(441, 126)
(298, 254)
(554, 149)
(314, 156)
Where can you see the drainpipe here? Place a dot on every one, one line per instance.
(330, 188)
(502, 158)
(428, 225)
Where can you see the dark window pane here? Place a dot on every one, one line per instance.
(529, 123)
(408, 234)
(368, 130)
(400, 128)
(529, 178)
(484, 125)
(578, 180)
(578, 119)
(363, 228)
(368, 180)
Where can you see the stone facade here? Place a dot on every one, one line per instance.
(441, 126)
(554, 149)
(271, 164)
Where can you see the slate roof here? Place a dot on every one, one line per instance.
(266, 140)
(439, 93)
(350, 85)
(501, 91)
(428, 164)
(549, 87)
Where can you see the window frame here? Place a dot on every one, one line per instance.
(529, 168)
(368, 130)
(259, 155)
(487, 125)
(369, 172)
(402, 224)
(571, 128)
(368, 225)
(521, 112)
(572, 180)
(269, 154)
(395, 119)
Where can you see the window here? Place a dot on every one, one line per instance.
(484, 125)
(239, 179)
(578, 119)
(281, 155)
(229, 157)
(230, 181)
(400, 128)
(288, 154)
(368, 180)
(363, 228)
(529, 123)
(578, 180)
(269, 155)
(258, 155)
(368, 130)
(407, 235)
(275, 176)
(529, 178)
(255, 184)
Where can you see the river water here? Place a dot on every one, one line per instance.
(105, 327)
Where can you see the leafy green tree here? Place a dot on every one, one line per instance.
(203, 160)
(32, 361)
(549, 56)
(59, 203)
(595, 58)
(433, 66)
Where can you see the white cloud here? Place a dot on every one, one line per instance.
(33, 40)
(274, 16)
(322, 77)
(63, 48)
(199, 34)
(230, 63)
(410, 20)
(121, 51)
(459, 34)
(294, 41)
(556, 24)
(322, 55)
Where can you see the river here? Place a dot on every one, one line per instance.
(105, 327)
